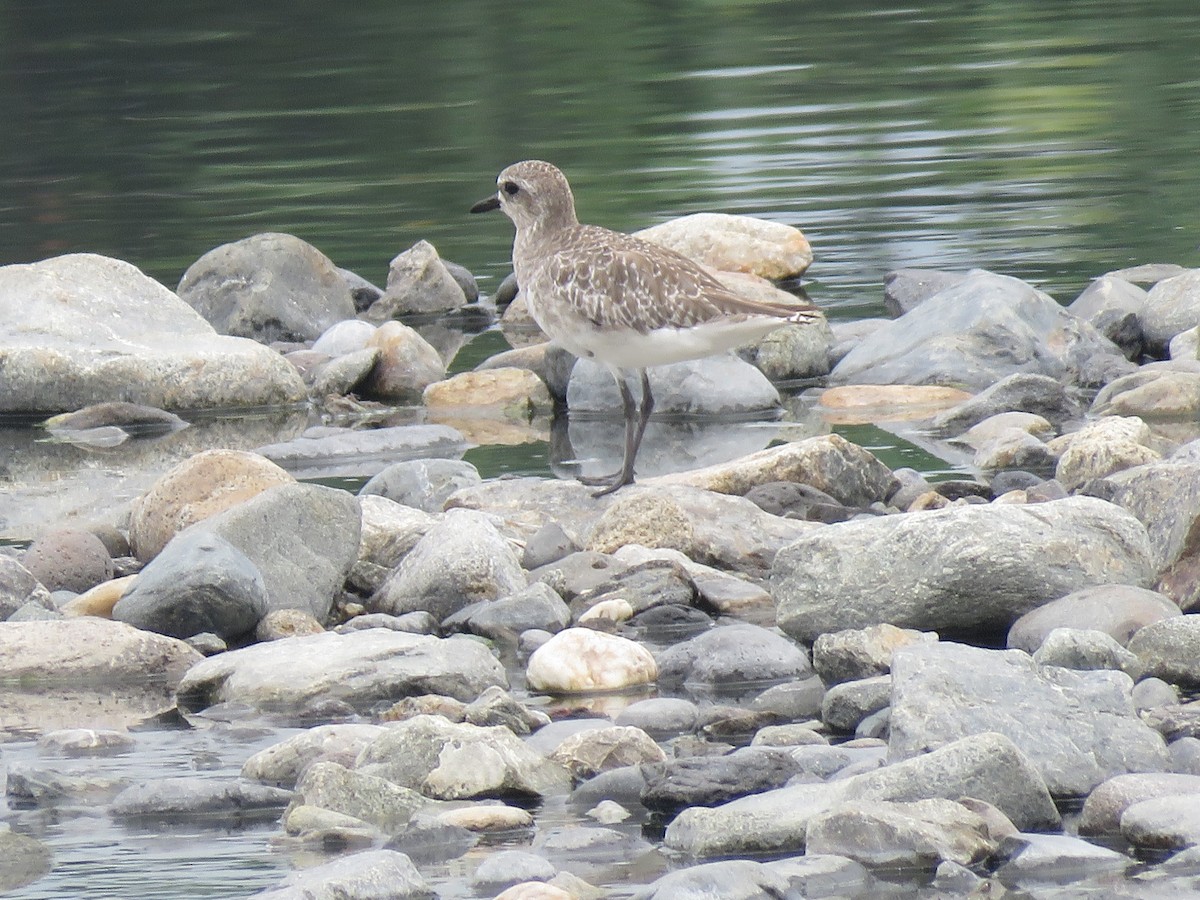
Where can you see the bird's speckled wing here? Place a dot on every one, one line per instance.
(615, 280)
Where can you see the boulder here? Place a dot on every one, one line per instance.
(1119, 610)
(368, 875)
(735, 244)
(269, 287)
(418, 282)
(713, 386)
(1172, 306)
(84, 329)
(406, 365)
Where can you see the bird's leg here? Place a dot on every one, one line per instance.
(647, 408)
(634, 426)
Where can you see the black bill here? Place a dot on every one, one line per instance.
(492, 202)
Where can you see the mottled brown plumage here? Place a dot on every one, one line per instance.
(618, 299)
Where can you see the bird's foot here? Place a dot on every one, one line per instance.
(607, 483)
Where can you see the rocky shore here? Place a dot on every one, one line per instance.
(776, 666)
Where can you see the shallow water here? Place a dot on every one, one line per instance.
(1048, 141)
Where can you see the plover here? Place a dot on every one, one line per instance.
(617, 299)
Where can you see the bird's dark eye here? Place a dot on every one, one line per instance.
(509, 188)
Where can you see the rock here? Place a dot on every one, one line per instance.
(343, 374)
(673, 785)
(796, 700)
(451, 761)
(1151, 393)
(291, 675)
(1163, 823)
(960, 568)
(1115, 307)
(536, 606)
(509, 867)
(1169, 649)
(269, 287)
(389, 531)
(1148, 273)
(548, 361)
(198, 583)
(906, 289)
(1014, 449)
(1078, 728)
(859, 404)
(31, 785)
(369, 798)
(535, 890)
(406, 364)
(1003, 424)
(794, 351)
(19, 587)
(845, 705)
(302, 538)
(660, 717)
(424, 484)
(1106, 804)
(731, 879)
(68, 559)
(919, 834)
(198, 487)
(418, 282)
(495, 706)
(484, 817)
(89, 649)
(1165, 497)
(84, 742)
(988, 767)
(713, 386)
(460, 560)
(347, 336)
(1086, 649)
(581, 660)
(1185, 345)
(1118, 610)
(830, 463)
(97, 601)
(643, 586)
(278, 624)
(96, 328)
(714, 529)
(347, 451)
(1056, 858)
(862, 653)
(547, 545)
(283, 763)
(1172, 306)
(1024, 392)
(1101, 448)
(195, 799)
(973, 334)
(130, 419)
(368, 875)
(735, 244)
(732, 656)
(586, 754)
(1152, 692)
(518, 393)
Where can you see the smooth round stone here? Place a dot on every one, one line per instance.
(1185, 755)
(1086, 649)
(1151, 692)
(100, 600)
(84, 742)
(796, 734)
(578, 660)
(510, 867)
(347, 336)
(482, 817)
(407, 364)
(535, 890)
(68, 559)
(1169, 649)
(660, 716)
(518, 391)
(1119, 610)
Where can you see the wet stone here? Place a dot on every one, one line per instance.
(710, 780)
(734, 655)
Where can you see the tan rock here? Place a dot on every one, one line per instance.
(1101, 448)
(517, 392)
(735, 244)
(286, 623)
(487, 817)
(100, 600)
(407, 363)
(534, 890)
(205, 484)
(854, 404)
(591, 752)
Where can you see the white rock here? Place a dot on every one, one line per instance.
(579, 659)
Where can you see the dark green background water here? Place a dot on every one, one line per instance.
(1048, 140)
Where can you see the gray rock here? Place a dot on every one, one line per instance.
(536, 606)
(86, 649)
(661, 717)
(1172, 306)
(418, 282)
(906, 289)
(84, 742)
(359, 669)
(334, 451)
(861, 653)
(848, 703)
(412, 623)
(1014, 449)
(1025, 392)
(347, 336)
(68, 559)
(19, 587)
(959, 568)
(462, 559)
(372, 799)
(1100, 448)
(302, 538)
(1165, 497)
(675, 784)
(988, 767)
(370, 875)
(1151, 692)
(794, 700)
(495, 706)
(715, 386)
(95, 328)
(1152, 393)
(342, 374)
(589, 752)
(452, 761)
(217, 802)
(282, 764)
(1185, 755)
(389, 531)
(1056, 858)
(549, 544)
(424, 484)
(732, 656)
(1078, 728)
(814, 875)
(1084, 649)
(1106, 804)
(198, 583)
(508, 867)
(578, 573)
(920, 834)
(30, 785)
(1148, 273)
(23, 860)
(33, 612)
(1118, 610)
(731, 879)
(1169, 650)
(407, 364)
(975, 333)
(269, 287)
(1163, 823)
(794, 351)
(656, 582)
(133, 419)
(1115, 307)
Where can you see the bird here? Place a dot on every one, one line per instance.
(617, 299)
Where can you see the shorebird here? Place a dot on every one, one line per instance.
(617, 299)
